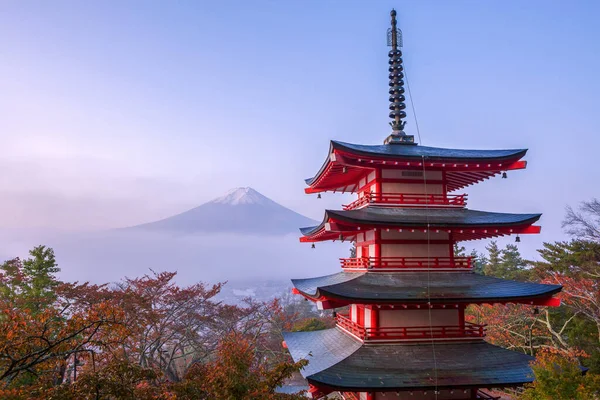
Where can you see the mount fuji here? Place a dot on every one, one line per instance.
(241, 211)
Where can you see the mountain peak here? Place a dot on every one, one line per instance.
(242, 195)
(241, 210)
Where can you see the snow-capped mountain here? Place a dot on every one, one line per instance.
(245, 195)
(241, 210)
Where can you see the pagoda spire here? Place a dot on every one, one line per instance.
(397, 106)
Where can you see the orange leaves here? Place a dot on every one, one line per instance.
(236, 374)
(38, 333)
(558, 376)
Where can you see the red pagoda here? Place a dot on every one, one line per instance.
(405, 335)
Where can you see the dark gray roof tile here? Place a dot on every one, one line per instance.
(421, 286)
(431, 153)
(436, 218)
(406, 366)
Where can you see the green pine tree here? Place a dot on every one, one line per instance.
(478, 260)
(493, 263)
(31, 281)
(512, 265)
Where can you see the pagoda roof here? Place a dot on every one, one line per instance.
(417, 152)
(421, 287)
(340, 362)
(358, 160)
(349, 222)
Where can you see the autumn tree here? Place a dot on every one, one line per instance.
(118, 379)
(237, 373)
(171, 327)
(559, 377)
(43, 322)
(576, 266)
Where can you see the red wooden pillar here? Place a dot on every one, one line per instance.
(374, 317)
(360, 314)
(377, 255)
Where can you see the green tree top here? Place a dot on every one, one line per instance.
(32, 281)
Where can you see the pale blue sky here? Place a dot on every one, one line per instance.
(120, 112)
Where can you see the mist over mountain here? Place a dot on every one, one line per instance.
(241, 211)
(242, 237)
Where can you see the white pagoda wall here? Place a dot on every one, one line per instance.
(415, 250)
(411, 174)
(396, 318)
(411, 188)
(354, 313)
(368, 316)
(405, 250)
(420, 186)
(396, 235)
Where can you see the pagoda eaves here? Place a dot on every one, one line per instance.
(462, 224)
(421, 287)
(348, 163)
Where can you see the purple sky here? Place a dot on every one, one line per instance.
(114, 113)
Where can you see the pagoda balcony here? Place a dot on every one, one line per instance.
(406, 263)
(409, 200)
(467, 331)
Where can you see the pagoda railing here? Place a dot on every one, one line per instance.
(409, 199)
(361, 263)
(468, 330)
